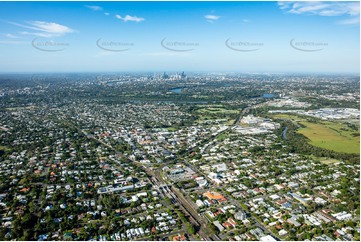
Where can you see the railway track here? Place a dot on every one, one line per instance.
(187, 209)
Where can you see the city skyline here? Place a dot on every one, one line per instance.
(175, 36)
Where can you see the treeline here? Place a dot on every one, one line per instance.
(319, 102)
(298, 143)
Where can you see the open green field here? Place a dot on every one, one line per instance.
(4, 148)
(331, 135)
(324, 160)
(217, 110)
(20, 108)
(329, 161)
(289, 117)
(203, 119)
(172, 129)
(222, 137)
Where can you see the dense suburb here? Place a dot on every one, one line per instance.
(174, 157)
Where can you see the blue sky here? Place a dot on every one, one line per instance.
(180, 36)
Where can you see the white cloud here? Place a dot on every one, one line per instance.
(53, 28)
(351, 9)
(11, 36)
(45, 29)
(107, 14)
(38, 34)
(212, 17)
(245, 20)
(350, 21)
(284, 5)
(129, 18)
(321, 8)
(94, 8)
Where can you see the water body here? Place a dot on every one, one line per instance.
(284, 133)
(177, 90)
(268, 95)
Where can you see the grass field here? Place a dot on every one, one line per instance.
(203, 119)
(324, 160)
(289, 117)
(215, 112)
(222, 137)
(329, 135)
(20, 108)
(329, 161)
(4, 148)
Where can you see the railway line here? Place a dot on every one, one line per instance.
(188, 210)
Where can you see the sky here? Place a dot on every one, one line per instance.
(267, 37)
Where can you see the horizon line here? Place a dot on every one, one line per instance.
(179, 71)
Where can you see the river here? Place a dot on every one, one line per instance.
(284, 133)
(177, 90)
(268, 95)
